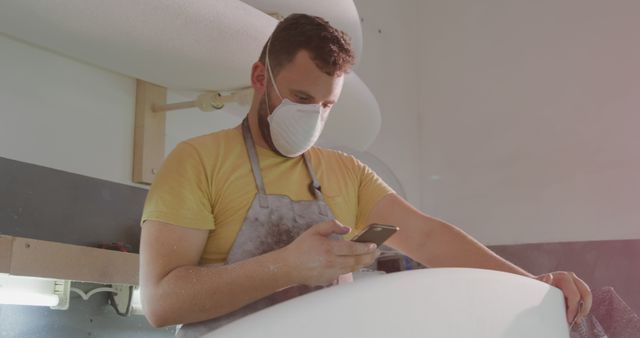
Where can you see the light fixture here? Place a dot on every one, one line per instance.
(37, 272)
(136, 302)
(35, 291)
(126, 300)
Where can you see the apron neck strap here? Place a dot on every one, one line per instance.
(255, 163)
(314, 186)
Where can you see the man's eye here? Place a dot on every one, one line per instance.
(302, 98)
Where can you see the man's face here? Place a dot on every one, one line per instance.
(299, 81)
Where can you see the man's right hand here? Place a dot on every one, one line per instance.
(176, 288)
(316, 260)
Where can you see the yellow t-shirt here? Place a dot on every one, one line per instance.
(206, 183)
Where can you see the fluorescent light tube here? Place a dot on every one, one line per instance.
(20, 290)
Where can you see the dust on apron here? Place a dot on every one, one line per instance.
(272, 222)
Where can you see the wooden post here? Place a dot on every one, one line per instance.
(148, 150)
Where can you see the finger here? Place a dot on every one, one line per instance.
(546, 278)
(330, 227)
(348, 264)
(349, 248)
(572, 296)
(585, 295)
(366, 259)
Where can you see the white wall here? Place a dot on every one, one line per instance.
(530, 118)
(388, 67)
(64, 114)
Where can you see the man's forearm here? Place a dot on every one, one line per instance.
(451, 247)
(195, 293)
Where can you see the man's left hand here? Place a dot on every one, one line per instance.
(575, 290)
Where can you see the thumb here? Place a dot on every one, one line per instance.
(330, 227)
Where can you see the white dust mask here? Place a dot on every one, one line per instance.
(295, 127)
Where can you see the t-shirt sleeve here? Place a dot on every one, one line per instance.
(371, 189)
(180, 193)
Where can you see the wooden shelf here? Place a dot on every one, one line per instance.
(36, 258)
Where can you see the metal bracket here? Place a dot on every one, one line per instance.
(61, 289)
(121, 299)
(149, 134)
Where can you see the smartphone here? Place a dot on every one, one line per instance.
(375, 233)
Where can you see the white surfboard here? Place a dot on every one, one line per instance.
(341, 14)
(187, 45)
(194, 44)
(438, 303)
(355, 120)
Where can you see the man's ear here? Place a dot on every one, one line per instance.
(258, 77)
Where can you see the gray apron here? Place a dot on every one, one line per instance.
(272, 222)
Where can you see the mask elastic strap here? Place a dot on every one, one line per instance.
(273, 81)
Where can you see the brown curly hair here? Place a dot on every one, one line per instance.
(330, 48)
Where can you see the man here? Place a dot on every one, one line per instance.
(261, 199)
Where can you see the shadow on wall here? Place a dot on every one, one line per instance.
(53, 205)
(47, 204)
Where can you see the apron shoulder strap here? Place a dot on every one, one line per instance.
(255, 163)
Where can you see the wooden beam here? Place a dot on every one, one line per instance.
(36, 258)
(148, 150)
